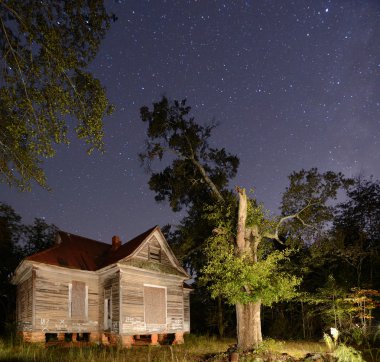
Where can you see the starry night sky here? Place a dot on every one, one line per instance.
(293, 84)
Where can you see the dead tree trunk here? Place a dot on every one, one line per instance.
(247, 315)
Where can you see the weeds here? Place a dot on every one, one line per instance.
(340, 351)
(194, 349)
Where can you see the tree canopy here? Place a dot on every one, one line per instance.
(197, 170)
(45, 49)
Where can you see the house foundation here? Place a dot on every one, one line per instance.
(127, 341)
(33, 337)
(154, 340)
(178, 338)
(94, 337)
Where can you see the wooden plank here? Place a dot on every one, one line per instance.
(52, 301)
(78, 300)
(155, 305)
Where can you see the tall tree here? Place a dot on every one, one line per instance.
(197, 173)
(243, 268)
(45, 49)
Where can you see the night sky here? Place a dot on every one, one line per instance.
(293, 84)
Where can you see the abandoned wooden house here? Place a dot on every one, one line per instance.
(82, 289)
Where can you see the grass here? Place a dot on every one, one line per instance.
(195, 349)
(297, 349)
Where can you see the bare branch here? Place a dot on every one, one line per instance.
(289, 217)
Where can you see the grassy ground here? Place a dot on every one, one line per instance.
(296, 349)
(195, 349)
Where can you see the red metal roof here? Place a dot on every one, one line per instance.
(77, 252)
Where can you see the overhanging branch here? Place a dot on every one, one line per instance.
(289, 217)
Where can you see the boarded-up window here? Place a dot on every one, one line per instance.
(78, 300)
(155, 305)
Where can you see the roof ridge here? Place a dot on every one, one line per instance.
(148, 231)
(83, 237)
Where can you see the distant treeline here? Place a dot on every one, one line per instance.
(17, 241)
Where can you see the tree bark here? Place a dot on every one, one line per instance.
(220, 317)
(210, 184)
(248, 325)
(247, 315)
(242, 217)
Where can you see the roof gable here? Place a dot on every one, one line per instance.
(157, 239)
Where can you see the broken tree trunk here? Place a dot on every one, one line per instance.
(247, 315)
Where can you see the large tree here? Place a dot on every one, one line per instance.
(243, 266)
(233, 269)
(247, 270)
(45, 48)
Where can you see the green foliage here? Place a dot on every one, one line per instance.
(357, 232)
(11, 231)
(197, 171)
(311, 187)
(342, 352)
(45, 49)
(347, 354)
(224, 216)
(238, 280)
(333, 306)
(38, 236)
(311, 194)
(16, 242)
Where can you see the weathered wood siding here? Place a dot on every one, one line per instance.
(109, 288)
(53, 287)
(24, 305)
(186, 311)
(153, 246)
(132, 297)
